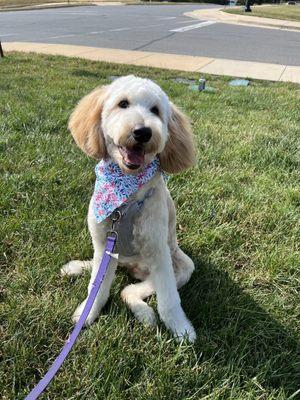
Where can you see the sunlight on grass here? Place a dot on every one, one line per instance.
(286, 12)
(238, 217)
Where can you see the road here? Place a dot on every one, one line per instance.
(158, 28)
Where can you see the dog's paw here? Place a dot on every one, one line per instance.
(146, 316)
(78, 312)
(185, 332)
(177, 322)
(90, 318)
(75, 267)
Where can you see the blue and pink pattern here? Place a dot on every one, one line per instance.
(113, 187)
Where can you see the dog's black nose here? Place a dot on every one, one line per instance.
(142, 135)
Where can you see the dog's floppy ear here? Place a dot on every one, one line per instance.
(85, 124)
(179, 152)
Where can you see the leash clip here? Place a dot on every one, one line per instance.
(115, 217)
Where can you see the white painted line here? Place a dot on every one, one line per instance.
(62, 36)
(80, 34)
(183, 22)
(119, 29)
(195, 26)
(72, 13)
(148, 26)
(165, 18)
(7, 34)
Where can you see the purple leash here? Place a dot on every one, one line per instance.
(44, 382)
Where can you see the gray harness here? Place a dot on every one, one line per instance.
(124, 226)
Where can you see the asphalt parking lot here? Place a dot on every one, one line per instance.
(151, 28)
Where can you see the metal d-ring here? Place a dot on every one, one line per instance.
(116, 216)
(112, 232)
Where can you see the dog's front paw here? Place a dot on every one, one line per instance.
(176, 320)
(145, 315)
(90, 318)
(75, 267)
(185, 332)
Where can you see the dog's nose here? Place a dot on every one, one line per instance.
(142, 135)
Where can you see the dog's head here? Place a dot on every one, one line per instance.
(132, 121)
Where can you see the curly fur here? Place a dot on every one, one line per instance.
(99, 127)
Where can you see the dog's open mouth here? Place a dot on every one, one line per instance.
(133, 157)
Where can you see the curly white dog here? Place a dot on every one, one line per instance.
(131, 123)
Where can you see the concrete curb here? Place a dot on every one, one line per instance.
(45, 6)
(216, 14)
(235, 68)
(89, 3)
(66, 4)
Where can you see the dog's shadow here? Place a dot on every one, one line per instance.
(234, 332)
(237, 333)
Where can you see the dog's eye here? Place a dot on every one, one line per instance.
(155, 110)
(124, 104)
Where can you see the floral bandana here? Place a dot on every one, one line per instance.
(113, 188)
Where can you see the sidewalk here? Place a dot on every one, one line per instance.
(235, 68)
(216, 14)
(71, 3)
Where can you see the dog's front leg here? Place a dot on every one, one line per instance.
(104, 290)
(169, 307)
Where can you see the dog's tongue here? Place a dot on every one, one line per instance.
(134, 155)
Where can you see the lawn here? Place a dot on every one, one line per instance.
(23, 3)
(291, 13)
(238, 217)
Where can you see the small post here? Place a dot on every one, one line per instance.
(1, 50)
(247, 6)
(201, 85)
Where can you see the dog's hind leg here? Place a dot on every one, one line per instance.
(76, 267)
(183, 266)
(133, 295)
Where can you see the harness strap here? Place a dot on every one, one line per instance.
(44, 382)
(129, 210)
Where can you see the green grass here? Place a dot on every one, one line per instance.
(238, 213)
(24, 3)
(290, 13)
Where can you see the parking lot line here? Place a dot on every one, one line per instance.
(195, 26)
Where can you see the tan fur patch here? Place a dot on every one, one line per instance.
(179, 152)
(85, 124)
